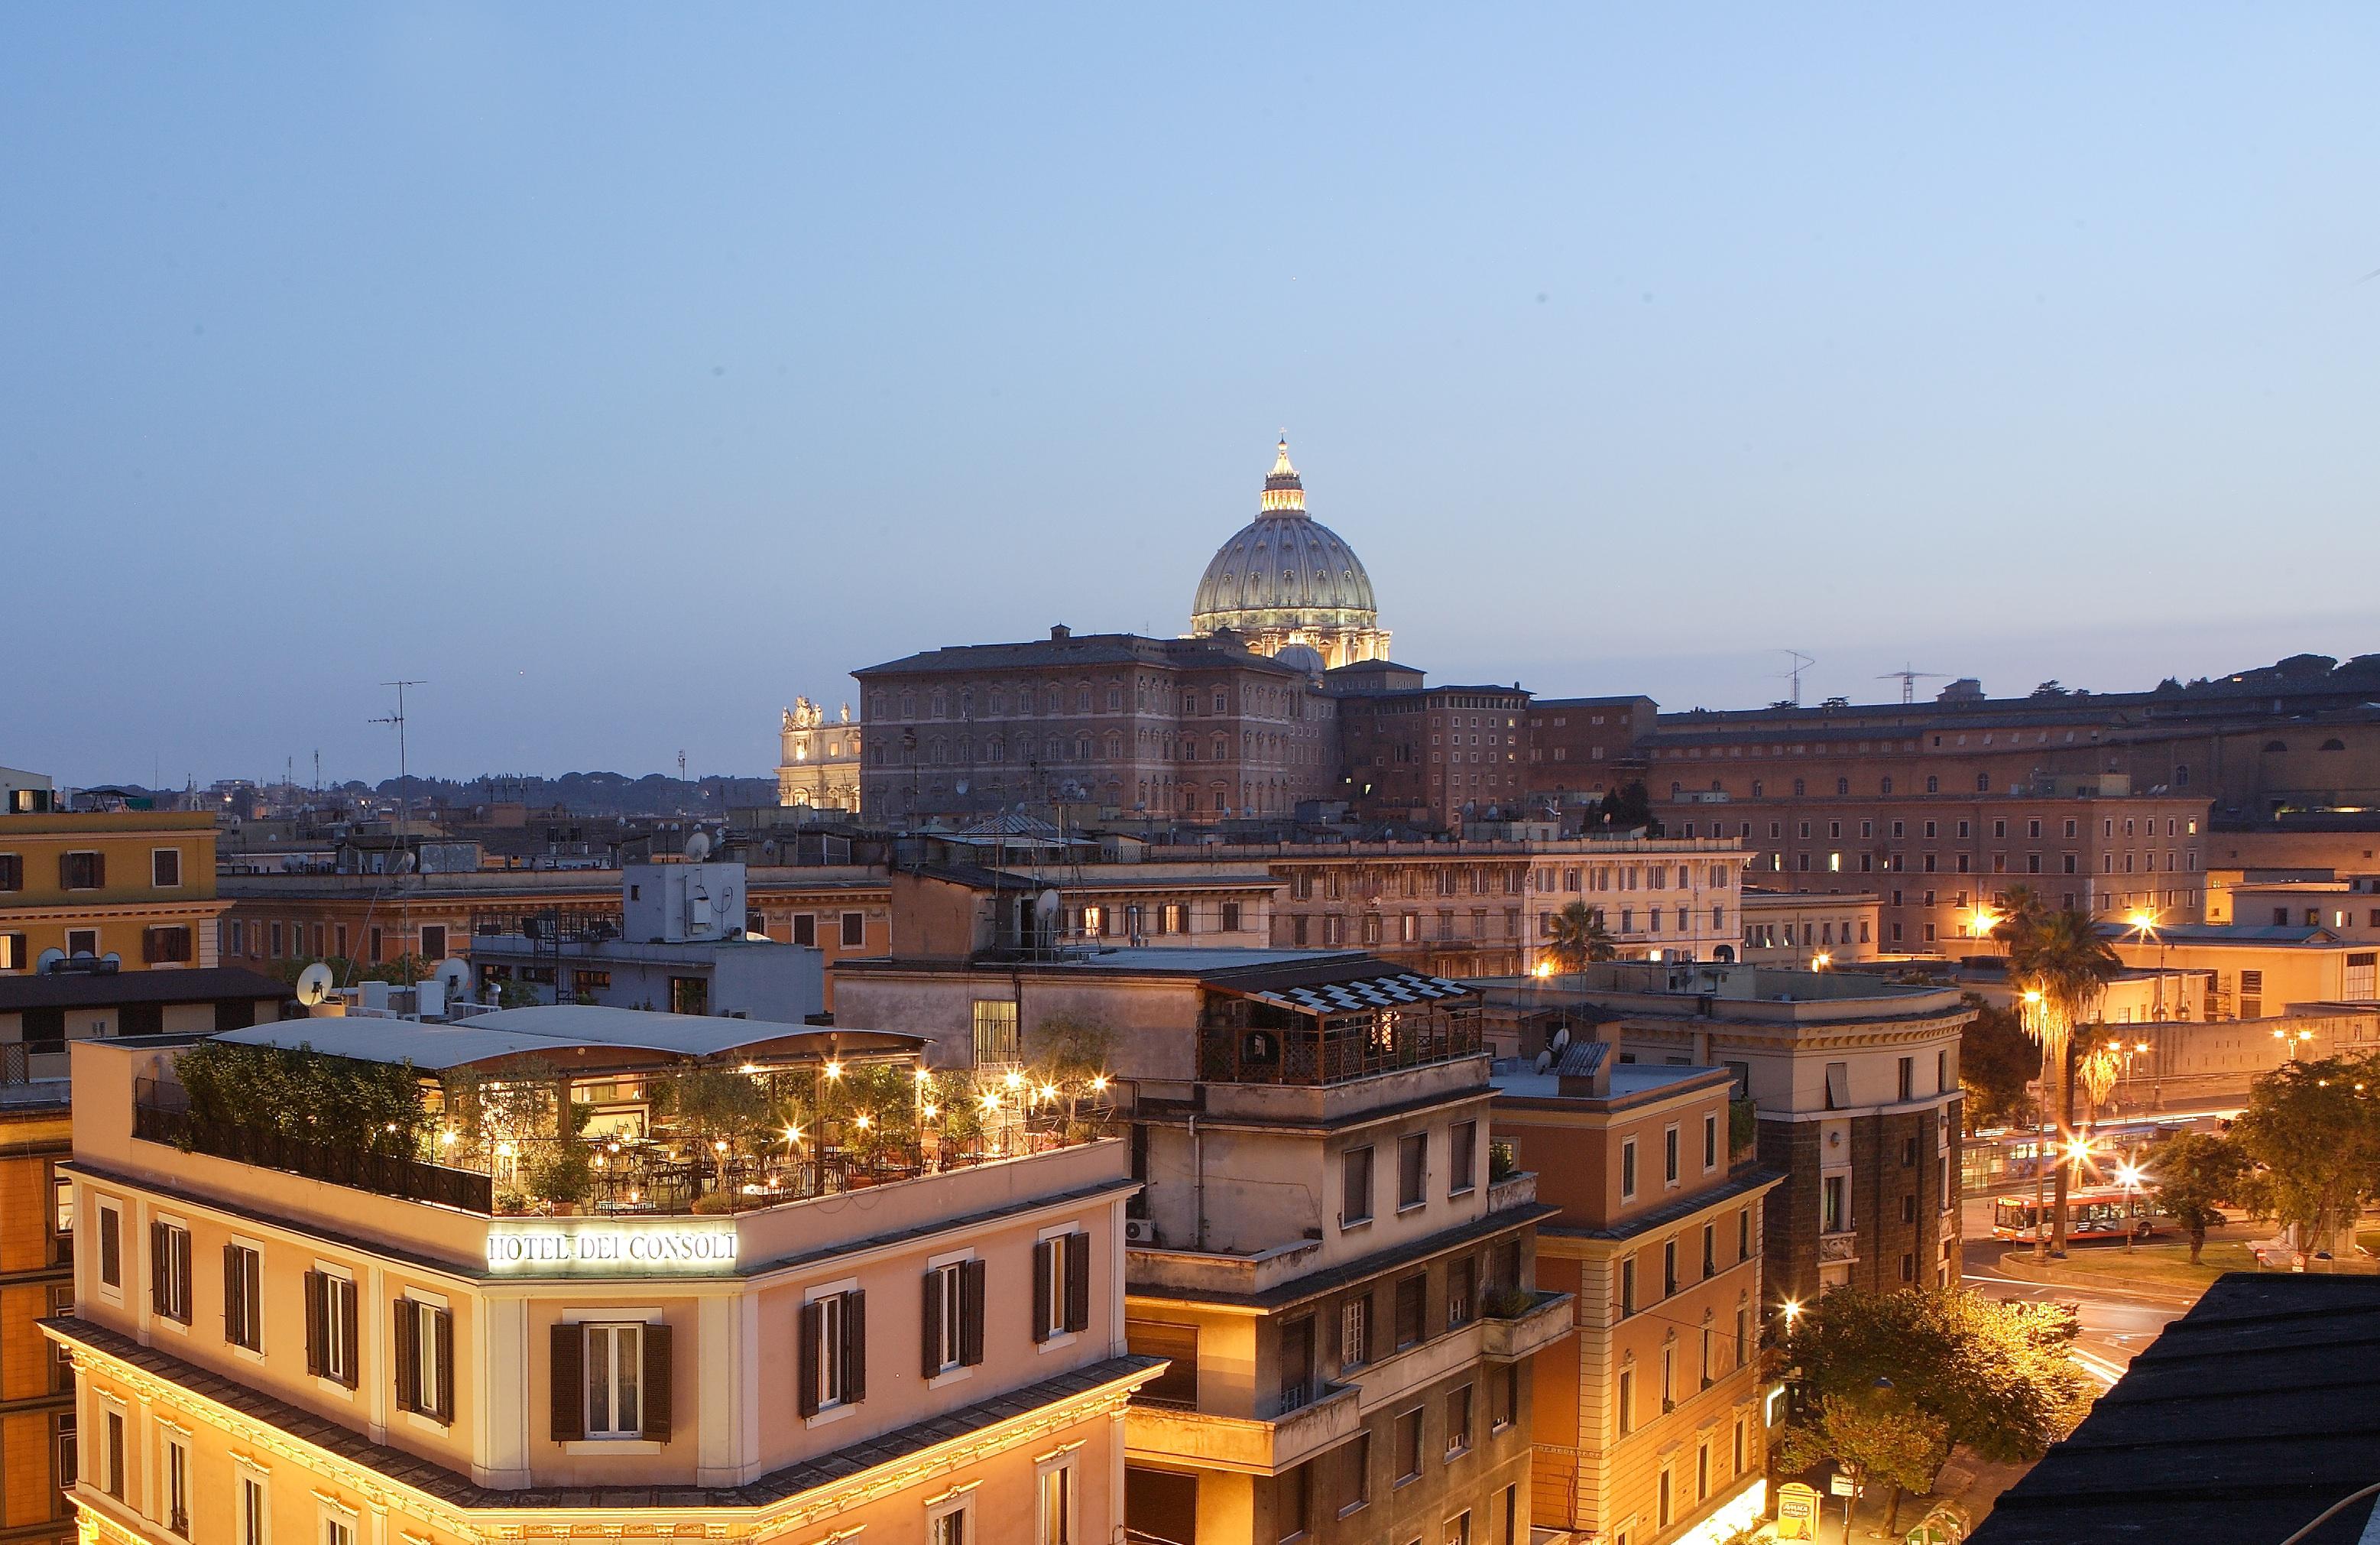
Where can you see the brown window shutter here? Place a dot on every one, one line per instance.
(929, 1331)
(971, 1322)
(189, 1304)
(156, 1267)
(66, 871)
(657, 1384)
(406, 1340)
(444, 1321)
(314, 1334)
(99, 870)
(855, 1345)
(1078, 1281)
(231, 1294)
(347, 1329)
(812, 1321)
(566, 1382)
(1042, 1265)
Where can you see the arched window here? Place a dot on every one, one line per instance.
(908, 705)
(1758, 788)
(993, 750)
(1115, 745)
(1842, 786)
(940, 751)
(2333, 744)
(1886, 787)
(2276, 745)
(1800, 787)
(1081, 747)
(1983, 782)
(942, 705)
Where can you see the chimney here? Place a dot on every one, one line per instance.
(1059, 633)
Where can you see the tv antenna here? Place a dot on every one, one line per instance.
(1908, 679)
(1801, 662)
(405, 905)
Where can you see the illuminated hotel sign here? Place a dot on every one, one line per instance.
(609, 1248)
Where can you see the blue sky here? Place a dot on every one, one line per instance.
(624, 372)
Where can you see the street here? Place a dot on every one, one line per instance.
(2115, 1324)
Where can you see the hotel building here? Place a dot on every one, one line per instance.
(704, 1329)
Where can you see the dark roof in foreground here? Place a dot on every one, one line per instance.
(2242, 1422)
(201, 984)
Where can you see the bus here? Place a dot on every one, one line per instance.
(2092, 1213)
(1990, 1160)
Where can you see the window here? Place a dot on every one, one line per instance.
(1702, 1472)
(1231, 917)
(425, 1359)
(1408, 1437)
(1294, 1514)
(82, 871)
(1710, 1142)
(253, 1513)
(1743, 1234)
(12, 872)
(1412, 1170)
(1462, 1157)
(1908, 1076)
(1461, 1291)
(1504, 1396)
(952, 1336)
(995, 1032)
(1833, 1216)
(1710, 1250)
(1413, 1295)
(166, 867)
(1627, 1286)
(1355, 1186)
(952, 1523)
(1627, 1401)
(1670, 1155)
(1356, 1331)
(806, 929)
(1458, 1421)
(115, 1456)
(177, 1486)
(169, 1271)
(331, 1327)
(165, 945)
(1062, 1286)
(1353, 1475)
(111, 1246)
(1056, 1491)
(433, 942)
(854, 931)
(1628, 1169)
(1838, 1086)
(1666, 1504)
(1668, 1269)
(243, 1297)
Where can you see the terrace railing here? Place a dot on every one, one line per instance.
(158, 1117)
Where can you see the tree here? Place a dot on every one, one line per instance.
(2312, 1129)
(300, 1093)
(1579, 937)
(1996, 1376)
(1879, 1437)
(2193, 1173)
(2061, 965)
(1997, 1059)
(1628, 805)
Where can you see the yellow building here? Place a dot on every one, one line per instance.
(667, 1337)
(37, 1416)
(138, 885)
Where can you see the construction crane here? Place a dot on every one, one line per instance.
(1908, 679)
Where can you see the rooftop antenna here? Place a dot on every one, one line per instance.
(1908, 680)
(1801, 662)
(405, 905)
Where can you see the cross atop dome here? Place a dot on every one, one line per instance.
(1284, 492)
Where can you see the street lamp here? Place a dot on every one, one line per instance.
(2040, 1157)
(2128, 1175)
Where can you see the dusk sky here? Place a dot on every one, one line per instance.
(622, 372)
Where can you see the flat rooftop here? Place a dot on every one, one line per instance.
(547, 1029)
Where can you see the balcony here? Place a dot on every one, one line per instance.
(1839, 1248)
(1248, 1445)
(1508, 1338)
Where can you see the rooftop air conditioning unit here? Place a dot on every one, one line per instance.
(1139, 1231)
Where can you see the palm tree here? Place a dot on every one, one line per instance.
(1579, 937)
(2061, 965)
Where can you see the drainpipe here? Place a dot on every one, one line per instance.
(1198, 1170)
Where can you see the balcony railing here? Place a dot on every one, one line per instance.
(386, 1175)
(1334, 1051)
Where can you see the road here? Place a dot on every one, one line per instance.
(2114, 1325)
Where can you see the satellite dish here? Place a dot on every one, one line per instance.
(406, 862)
(1545, 1060)
(454, 975)
(112, 960)
(1046, 908)
(1562, 1038)
(697, 847)
(769, 849)
(314, 984)
(49, 960)
(82, 954)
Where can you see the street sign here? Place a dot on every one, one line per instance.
(1841, 1486)
(1797, 1512)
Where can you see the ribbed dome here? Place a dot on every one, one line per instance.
(1284, 570)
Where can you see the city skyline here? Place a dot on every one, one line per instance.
(597, 375)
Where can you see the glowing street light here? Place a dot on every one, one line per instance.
(834, 1070)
